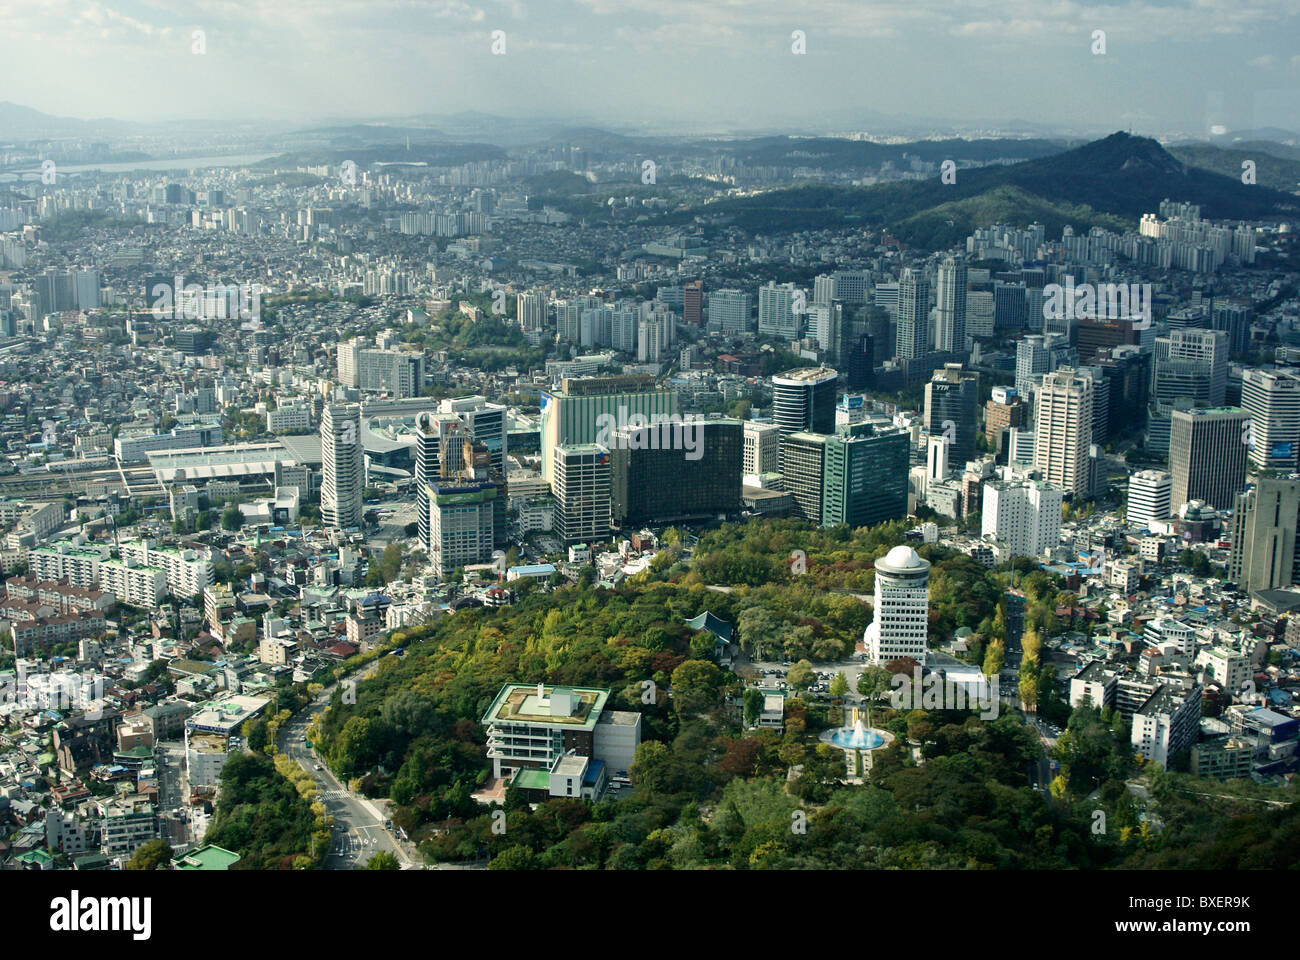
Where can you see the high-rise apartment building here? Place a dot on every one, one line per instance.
(913, 337)
(622, 328)
(568, 318)
(1063, 431)
(530, 311)
(399, 373)
(950, 318)
(777, 316)
(342, 466)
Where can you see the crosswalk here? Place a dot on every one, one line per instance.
(334, 794)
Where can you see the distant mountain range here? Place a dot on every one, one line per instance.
(1276, 165)
(23, 123)
(1109, 182)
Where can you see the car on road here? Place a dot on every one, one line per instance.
(318, 766)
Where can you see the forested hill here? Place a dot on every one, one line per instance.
(708, 792)
(1109, 183)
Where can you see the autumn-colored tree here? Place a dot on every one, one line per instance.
(1030, 645)
(1029, 691)
(696, 685)
(999, 628)
(1058, 787)
(740, 757)
(994, 656)
(904, 665)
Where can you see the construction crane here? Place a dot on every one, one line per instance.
(464, 470)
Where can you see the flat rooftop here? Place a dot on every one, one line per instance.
(519, 703)
(207, 858)
(232, 461)
(533, 779)
(622, 718)
(570, 766)
(807, 375)
(226, 716)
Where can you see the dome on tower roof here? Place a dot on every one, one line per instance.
(902, 556)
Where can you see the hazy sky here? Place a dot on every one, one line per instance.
(1169, 66)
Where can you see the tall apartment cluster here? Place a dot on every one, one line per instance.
(365, 367)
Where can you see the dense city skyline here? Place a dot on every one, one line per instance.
(644, 436)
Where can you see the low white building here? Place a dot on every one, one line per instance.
(126, 824)
(1149, 495)
(1024, 514)
(188, 571)
(292, 418)
(1167, 722)
(1230, 669)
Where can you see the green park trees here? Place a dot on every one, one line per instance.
(800, 675)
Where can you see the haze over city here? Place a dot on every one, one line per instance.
(1171, 69)
(649, 437)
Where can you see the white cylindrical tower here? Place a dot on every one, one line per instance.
(902, 612)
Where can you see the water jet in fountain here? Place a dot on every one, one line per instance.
(857, 737)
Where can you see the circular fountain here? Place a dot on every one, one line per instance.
(857, 739)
